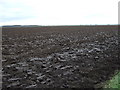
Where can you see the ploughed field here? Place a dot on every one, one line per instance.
(58, 56)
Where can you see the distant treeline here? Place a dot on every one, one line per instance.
(20, 26)
(53, 25)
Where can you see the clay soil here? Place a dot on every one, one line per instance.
(59, 56)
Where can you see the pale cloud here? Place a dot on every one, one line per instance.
(58, 12)
(13, 10)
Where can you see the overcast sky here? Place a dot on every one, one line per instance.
(58, 12)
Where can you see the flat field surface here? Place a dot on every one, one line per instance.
(59, 56)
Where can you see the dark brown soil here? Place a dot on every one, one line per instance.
(59, 56)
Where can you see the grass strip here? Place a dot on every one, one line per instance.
(114, 82)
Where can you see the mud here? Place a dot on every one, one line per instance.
(63, 57)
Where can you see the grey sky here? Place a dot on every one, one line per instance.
(14, 10)
(58, 12)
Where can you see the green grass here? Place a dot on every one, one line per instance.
(114, 82)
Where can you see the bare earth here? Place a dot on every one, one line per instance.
(59, 56)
